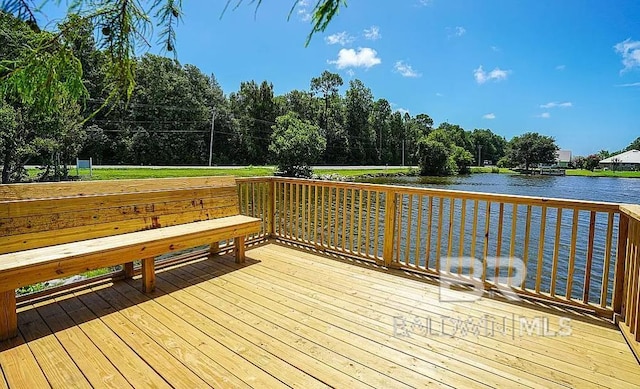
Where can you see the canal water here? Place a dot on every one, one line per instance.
(617, 190)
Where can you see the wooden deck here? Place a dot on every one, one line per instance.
(292, 318)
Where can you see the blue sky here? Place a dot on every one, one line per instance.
(569, 68)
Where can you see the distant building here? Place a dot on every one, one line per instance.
(563, 158)
(629, 160)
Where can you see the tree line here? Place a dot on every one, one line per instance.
(177, 115)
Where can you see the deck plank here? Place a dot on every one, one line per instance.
(537, 350)
(320, 306)
(250, 367)
(160, 360)
(307, 354)
(98, 370)
(371, 355)
(56, 364)
(20, 368)
(290, 317)
(136, 370)
(199, 361)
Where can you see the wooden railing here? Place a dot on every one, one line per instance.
(565, 251)
(628, 277)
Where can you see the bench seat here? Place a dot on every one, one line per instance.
(57, 230)
(27, 267)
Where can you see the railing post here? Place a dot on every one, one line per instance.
(390, 209)
(271, 208)
(621, 258)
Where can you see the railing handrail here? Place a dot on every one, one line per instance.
(497, 197)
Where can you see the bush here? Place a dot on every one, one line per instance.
(434, 158)
(296, 145)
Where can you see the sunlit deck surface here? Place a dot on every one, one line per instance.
(289, 317)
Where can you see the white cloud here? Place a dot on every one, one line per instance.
(554, 104)
(372, 33)
(630, 52)
(458, 31)
(341, 38)
(405, 69)
(561, 67)
(439, 94)
(489, 116)
(351, 73)
(496, 74)
(402, 111)
(544, 115)
(424, 3)
(630, 85)
(303, 10)
(364, 57)
(495, 48)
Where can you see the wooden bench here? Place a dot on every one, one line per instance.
(51, 231)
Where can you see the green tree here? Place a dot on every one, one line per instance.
(492, 147)
(591, 162)
(635, 145)
(531, 148)
(296, 145)
(327, 86)
(48, 68)
(359, 104)
(435, 158)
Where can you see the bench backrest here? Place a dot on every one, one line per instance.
(46, 214)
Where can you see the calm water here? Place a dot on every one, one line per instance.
(617, 190)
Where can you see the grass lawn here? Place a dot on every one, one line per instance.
(601, 173)
(490, 169)
(251, 171)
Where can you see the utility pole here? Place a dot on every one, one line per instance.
(479, 154)
(213, 125)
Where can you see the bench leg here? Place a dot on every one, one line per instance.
(128, 270)
(8, 315)
(214, 249)
(238, 244)
(148, 275)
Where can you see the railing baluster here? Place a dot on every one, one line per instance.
(389, 226)
(474, 232)
(588, 264)
(408, 234)
(525, 253)
(335, 224)
(352, 220)
(543, 222)
(556, 252)
(359, 235)
(429, 232)
(323, 221)
(621, 258)
(345, 214)
(487, 223)
(604, 292)
(512, 243)
(572, 254)
(367, 229)
(416, 258)
(452, 206)
(463, 222)
(376, 227)
(439, 241)
(303, 216)
(398, 233)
